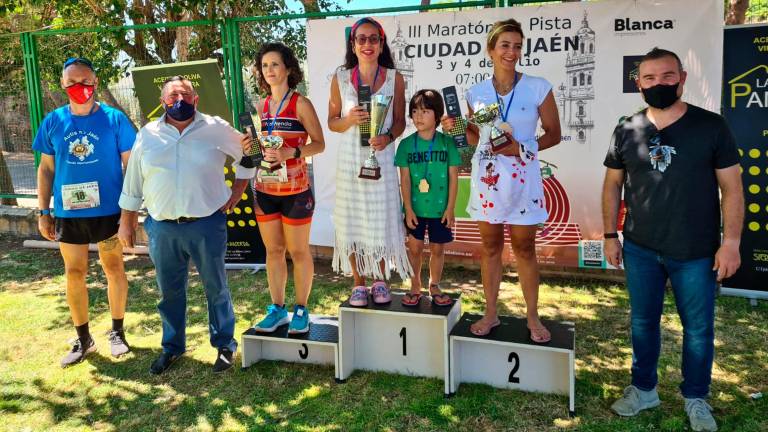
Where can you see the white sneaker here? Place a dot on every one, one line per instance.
(700, 414)
(634, 401)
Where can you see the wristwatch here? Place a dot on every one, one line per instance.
(611, 235)
(297, 153)
(44, 212)
(391, 137)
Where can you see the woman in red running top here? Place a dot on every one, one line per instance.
(284, 200)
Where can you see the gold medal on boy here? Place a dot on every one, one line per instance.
(423, 186)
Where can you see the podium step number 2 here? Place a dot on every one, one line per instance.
(507, 358)
(318, 346)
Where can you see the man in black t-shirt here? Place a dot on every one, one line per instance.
(672, 160)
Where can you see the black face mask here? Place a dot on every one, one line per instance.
(661, 96)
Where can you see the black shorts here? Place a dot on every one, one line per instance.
(292, 209)
(86, 230)
(438, 233)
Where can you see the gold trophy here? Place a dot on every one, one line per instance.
(379, 107)
(487, 116)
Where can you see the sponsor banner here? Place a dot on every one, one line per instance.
(745, 106)
(244, 245)
(588, 51)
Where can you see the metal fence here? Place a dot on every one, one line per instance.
(30, 87)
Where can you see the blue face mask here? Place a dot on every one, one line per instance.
(181, 110)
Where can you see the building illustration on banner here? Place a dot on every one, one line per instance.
(403, 64)
(576, 96)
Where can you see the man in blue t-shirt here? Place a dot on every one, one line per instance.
(84, 147)
(678, 166)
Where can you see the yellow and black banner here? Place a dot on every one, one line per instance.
(745, 107)
(244, 244)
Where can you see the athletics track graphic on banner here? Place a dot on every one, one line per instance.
(586, 50)
(244, 245)
(745, 106)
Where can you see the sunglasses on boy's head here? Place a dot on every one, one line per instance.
(78, 60)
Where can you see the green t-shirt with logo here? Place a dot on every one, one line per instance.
(413, 152)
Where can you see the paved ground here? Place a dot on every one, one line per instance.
(22, 168)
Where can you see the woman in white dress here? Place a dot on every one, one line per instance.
(370, 236)
(507, 185)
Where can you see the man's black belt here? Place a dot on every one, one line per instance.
(182, 220)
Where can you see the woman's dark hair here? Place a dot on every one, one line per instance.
(427, 99)
(385, 57)
(499, 27)
(295, 75)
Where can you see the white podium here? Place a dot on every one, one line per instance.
(396, 338)
(507, 358)
(318, 346)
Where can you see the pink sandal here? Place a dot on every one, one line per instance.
(484, 330)
(380, 293)
(359, 297)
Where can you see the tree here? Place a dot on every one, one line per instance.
(736, 11)
(114, 52)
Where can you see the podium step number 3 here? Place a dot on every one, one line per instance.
(396, 338)
(507, 358)
(318, 346)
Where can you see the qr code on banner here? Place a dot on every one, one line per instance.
(592, 250)
(591, 254)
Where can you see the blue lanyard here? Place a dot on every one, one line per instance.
(72, 116)
(429, 152)
(271, 126)
(505, 113)
(375, 77)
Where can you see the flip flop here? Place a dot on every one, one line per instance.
(540, 335)
(411, 299)
(439, 298)
(487, 329)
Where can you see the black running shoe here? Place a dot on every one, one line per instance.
(223, 360)
(162, 363)
(117, 343)
(78, 352)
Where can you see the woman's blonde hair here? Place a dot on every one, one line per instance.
(499, 27)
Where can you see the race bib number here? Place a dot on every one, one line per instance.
(80, 196)
(278, 176)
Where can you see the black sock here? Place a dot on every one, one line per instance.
(82, 333)
(117, 324)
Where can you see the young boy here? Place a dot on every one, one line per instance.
(429, 173)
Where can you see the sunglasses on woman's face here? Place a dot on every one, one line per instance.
(362, 39)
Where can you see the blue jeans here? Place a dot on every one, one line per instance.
(171, 246)
(694, 286)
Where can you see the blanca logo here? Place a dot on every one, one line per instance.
(628, 24)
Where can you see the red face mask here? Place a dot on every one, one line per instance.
(80, 93)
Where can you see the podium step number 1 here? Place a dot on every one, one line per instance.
(396, 338)
(318, 346)
(507, 358)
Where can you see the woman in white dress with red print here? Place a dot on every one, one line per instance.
(507, 185)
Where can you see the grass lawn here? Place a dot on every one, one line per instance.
(107, 394)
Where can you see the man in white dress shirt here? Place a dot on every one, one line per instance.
(177, 171)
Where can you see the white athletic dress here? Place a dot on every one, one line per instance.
(508, 189)
(367, 218)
